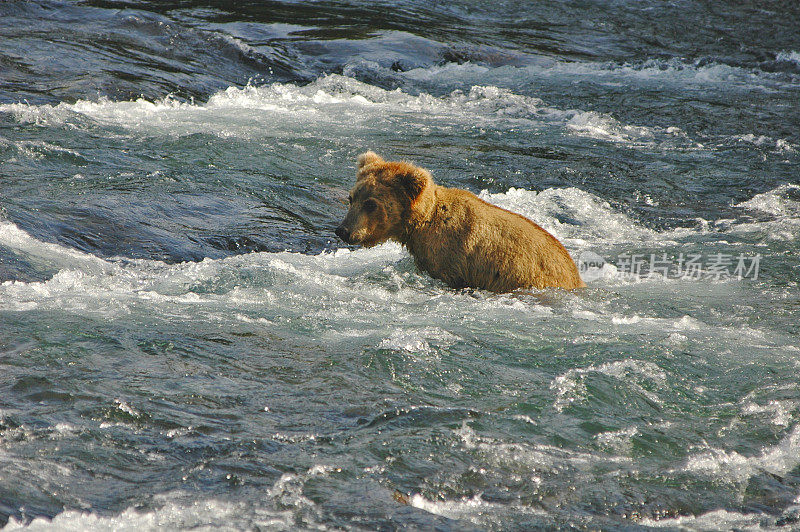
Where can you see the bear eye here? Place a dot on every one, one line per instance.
(370, 205)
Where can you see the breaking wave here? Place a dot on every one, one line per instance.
(340, 100)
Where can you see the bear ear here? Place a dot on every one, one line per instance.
(368, 158)
(413, 182)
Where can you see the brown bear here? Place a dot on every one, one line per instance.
(451, 233)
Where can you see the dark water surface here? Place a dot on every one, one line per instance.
(185, 344)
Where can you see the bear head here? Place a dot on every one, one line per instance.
(384, 202)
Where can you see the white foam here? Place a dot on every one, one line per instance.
(288, 490)
(618, 441)
(138, 113)
(589, 219)
(734, 467)
(670, 72)
(128, 409)
(36, 149)
(85, 283)
(343, 103)
(240, 45)
(781, 412)
(475, 510)
(779, 203)
(181, 511)
(782, 146)
(791, 56)
(715, 520)
(530, 458)
(417, 340)
(775, 202)
(675, 339)
(584, 222)
(15, 238)
(675, 71)
(210, 514)
(570, 388)
(604, 127)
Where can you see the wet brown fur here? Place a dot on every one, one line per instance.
(451, 233)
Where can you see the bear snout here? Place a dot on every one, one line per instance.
(343, 233)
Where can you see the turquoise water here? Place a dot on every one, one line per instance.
(185, 343)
